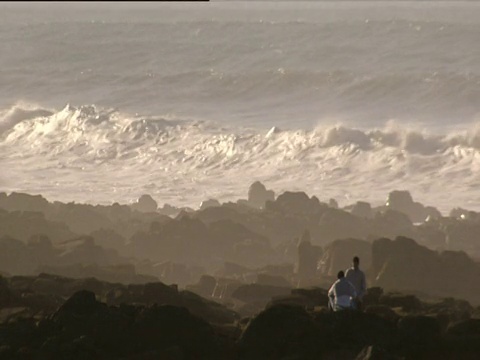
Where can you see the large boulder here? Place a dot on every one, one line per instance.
(402, 201)
(114, 332)
(272, 280)
(418, 334)
(171, 329)
(207, 310)
(354, 330)
(6, 295)
(428, 272)
(258, 195)
(391, 223)
(297, 203)
(308, 256)
(205, 286)
(24, 202)
(339, 224)
(388, 265)
(408, 303)
(362, 210)
(145, 204)
(13, 224)
(281, 332)
(256, 293)
(338, 255)
(209, 203)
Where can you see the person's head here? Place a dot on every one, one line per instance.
(356, 262)
(340, 274)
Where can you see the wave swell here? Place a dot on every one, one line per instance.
(92, 154)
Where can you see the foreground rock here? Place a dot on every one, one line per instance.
(156, 321)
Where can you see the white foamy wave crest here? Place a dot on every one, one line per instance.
(19, 113)
(101, 155)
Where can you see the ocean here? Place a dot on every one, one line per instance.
(104, 102)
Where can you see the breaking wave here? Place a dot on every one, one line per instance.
(92, 154)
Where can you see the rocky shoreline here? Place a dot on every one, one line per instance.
(240, 280)
(50, 317)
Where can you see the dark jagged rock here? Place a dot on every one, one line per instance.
(158, 321)
(316, 295)
(109, 239)
(309, 298)
(158, 293)
(205, 286)
(145, 204)
(372, 297)
(415, 317)
(6, 296)
(81, 219)
(392, 223)
(383, 311)
(418, 334)
(333, 203)
(354, 330)
(168, 327)
(122, 331)
(461, 234)
(272, 280)
(121, 273)
(23, 202)
(15, 257)
(296, 203)
(258, 195)
(338, 255)
(308, 256)
(281, 332)
(408, 303)
(427, 271)
(338, 224)
(362, 210)
(209, 203)
(470, 327)
(259, 293)
(12, 224)
(402, 201)
(207, 310)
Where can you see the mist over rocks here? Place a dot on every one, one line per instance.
(226, 264)
(402, 201)
(235, 232)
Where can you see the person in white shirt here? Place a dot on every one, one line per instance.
(357, 278)
(341, 294)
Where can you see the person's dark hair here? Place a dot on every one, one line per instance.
(340, 274)
(356, 259)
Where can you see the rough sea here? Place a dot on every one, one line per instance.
(104, 102)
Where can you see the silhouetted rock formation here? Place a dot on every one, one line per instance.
(362, 209)
(258, 195)
(205, 286)
(145, 204)
(209, 203)
(308, 256)
(280, 332)
(402, 264)
(13, 224)
(23, 202)
(49, 317)
(402, 201)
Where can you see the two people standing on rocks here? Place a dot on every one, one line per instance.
(348, 291)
